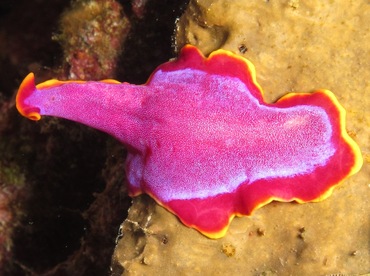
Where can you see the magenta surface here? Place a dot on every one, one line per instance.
(203, 143)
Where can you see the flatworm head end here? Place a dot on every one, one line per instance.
(27, 88)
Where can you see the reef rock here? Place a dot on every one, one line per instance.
(294, 46)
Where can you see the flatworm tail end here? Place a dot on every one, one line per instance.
(348, 152)
(355, 149)
(26, 89)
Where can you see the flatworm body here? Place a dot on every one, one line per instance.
(203, 143)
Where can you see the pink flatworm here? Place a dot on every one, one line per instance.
(203, 143)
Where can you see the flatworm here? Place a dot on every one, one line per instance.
(201, 140)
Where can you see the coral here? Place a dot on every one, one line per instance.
(12, 192)
(66, 225)
(91, 33)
